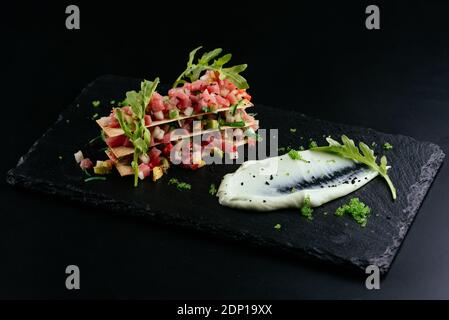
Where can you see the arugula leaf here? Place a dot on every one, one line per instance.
(193, 71)
(350, 151)
(222, 60)
(147, 88)
(123, 124)
(192, 56)
(232, 74)
(137, 133)
(134, 100)
(208, 56)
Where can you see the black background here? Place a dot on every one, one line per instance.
(315, 58)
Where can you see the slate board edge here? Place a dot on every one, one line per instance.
(416, 196)
(428, 173)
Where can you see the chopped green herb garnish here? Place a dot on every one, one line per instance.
(292, 130)
(212, 189)
(357, 209)
(312, 144)
(94, 179)
(301, 148)
(387, 146)
(94, 116)
(234, 107)
(112, 102)
(295, 155)
(306, 209)
(193, 71)
(278, 226)
(237, 124)
(99, 137)
(86, 172)
(362, 154)
(331, 161)
(374, 144)
(293, 190)
(96, 103)
(179, 185)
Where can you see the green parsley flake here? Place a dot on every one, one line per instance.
(295, 155)
(94, 116)
(96, 103)
(387, 146)
(357, 209)
(112, 102)
(313, 144)
(212, 189)
(292, 130)
(306, 209)
(179, 185)
(278, 226)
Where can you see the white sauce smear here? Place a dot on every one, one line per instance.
(282, 182)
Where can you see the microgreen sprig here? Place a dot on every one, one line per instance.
(194, 70)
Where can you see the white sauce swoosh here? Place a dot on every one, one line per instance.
(281, 182)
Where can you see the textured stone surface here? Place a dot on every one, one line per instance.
(336, 240)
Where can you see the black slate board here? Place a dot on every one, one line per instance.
(329, 238)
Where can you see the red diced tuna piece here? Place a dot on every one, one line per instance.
(86, 164)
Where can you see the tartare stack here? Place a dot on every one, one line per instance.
(198, 119)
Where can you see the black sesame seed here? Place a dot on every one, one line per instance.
(264, 201)
(267, 183)
(241, 183)
(254, 176)
(271, 177)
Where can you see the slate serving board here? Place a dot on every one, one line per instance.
(338, 240)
